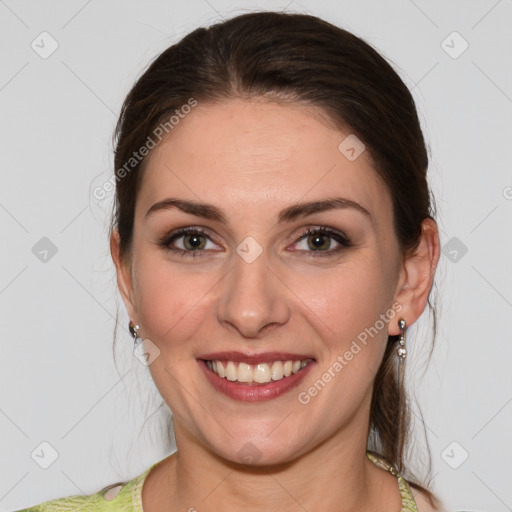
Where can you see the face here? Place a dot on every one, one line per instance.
(259, 279)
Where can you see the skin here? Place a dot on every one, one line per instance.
(251, 159)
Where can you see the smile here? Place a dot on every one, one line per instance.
(260, 373)
(255, 377)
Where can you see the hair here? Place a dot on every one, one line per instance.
(299, 59)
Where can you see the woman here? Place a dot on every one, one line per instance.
(273, 238)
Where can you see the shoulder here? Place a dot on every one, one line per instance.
(84, 503)
(69, 504)
(118, 497)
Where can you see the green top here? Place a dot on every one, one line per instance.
(127, 497)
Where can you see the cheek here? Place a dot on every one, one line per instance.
(352, 324)
(173, 306)
(171, 303)
(347, 298)
(350, 307)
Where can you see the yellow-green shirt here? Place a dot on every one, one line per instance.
(127, 497)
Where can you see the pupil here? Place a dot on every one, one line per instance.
(317, 241)
(194, 241)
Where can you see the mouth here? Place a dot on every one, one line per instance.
(257, 377)
(261, 373)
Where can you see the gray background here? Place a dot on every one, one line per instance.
(58, 382)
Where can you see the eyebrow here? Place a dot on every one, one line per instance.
(211, 212)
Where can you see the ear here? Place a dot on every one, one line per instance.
(124, 278)
(417, 276)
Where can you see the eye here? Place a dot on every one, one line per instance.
(187, 242)
(193, 242)
(322, 240)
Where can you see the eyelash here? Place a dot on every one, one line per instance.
(343, 240)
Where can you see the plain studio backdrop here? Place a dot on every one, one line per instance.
(70, 421)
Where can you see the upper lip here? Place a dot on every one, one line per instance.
(264, 357)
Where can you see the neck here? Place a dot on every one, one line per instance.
(335, 476)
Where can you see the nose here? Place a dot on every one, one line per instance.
(253, 299)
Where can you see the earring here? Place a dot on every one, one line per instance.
(402, 351)
(134, 331)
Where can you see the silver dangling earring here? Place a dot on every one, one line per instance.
(402, 351)
(134, 331)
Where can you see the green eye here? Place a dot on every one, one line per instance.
(194, 241)
(187, 242)
(321, 240)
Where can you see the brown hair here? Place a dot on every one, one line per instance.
(295, 58)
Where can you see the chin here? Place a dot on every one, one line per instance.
(253, 452)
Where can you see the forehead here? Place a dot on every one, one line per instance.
(254, 154)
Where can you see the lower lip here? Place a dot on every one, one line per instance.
(257, 392)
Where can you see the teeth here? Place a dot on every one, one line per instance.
(244, 373)
(231, 370)
(277, 370)
(260, 373)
